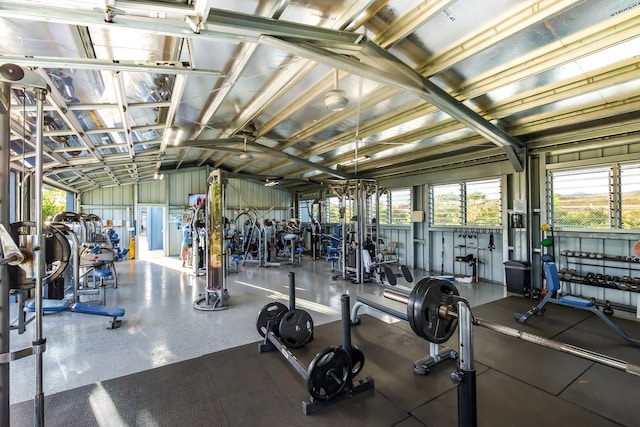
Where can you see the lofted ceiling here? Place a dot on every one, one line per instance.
(139, 89)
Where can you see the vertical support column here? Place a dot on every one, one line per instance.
(10, 73)
(465, 378)
(345, 307)
(4, 269)
(39, 340)
(292, 290)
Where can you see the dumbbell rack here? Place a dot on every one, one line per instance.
(330, 374)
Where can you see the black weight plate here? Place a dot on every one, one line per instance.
(296, 328)
(272, 311)
(357, 361)
(417, 314)
(427, 322)
(328, 373)
(417, 290)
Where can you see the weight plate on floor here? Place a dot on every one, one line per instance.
(425, 318)
(328, 373)
(296, 328)
(272, 311)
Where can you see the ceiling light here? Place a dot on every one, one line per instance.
(356, 160)
(271, 183)
(172, 136)
(336, 99)
(244, 155)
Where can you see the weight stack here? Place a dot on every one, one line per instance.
(55, 289)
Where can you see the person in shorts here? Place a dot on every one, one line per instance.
(186, 244)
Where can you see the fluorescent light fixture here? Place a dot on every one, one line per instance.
(172, 136)
(356, 160)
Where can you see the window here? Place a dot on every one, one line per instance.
(309, 207)
(483, 205)
(304, 210)
(596, 198)
(446, 204)
(333, 212)
(630, 196)
(580, 199)
(473, 203)
(395, 207)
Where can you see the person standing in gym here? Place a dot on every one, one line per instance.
(186, 244)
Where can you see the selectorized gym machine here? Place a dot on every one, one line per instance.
(435, 309)
(330, 374)
(58, 256)
(196, 254)
(359, 243)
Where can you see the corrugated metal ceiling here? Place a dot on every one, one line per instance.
(430, 84)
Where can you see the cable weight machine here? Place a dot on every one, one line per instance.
(359, 205)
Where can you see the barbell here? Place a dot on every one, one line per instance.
(431, 309)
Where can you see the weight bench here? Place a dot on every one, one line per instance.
(553, 288)
(421, 366)
(57, 306)
(99, 310)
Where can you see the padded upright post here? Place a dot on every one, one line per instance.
(102, 274)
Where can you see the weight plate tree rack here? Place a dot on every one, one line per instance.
(329, 377)
(435, 309)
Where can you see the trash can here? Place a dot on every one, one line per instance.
(517, 276)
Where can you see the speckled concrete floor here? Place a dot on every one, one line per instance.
(161, 326)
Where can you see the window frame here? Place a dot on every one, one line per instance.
(618, 197)
(462, 203)
(392, 208)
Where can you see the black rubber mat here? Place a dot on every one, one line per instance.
(506, 401)
(391, 351)
(601, 385)
(547, 369)
(519, 383)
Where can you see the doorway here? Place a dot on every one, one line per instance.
(151, 232)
